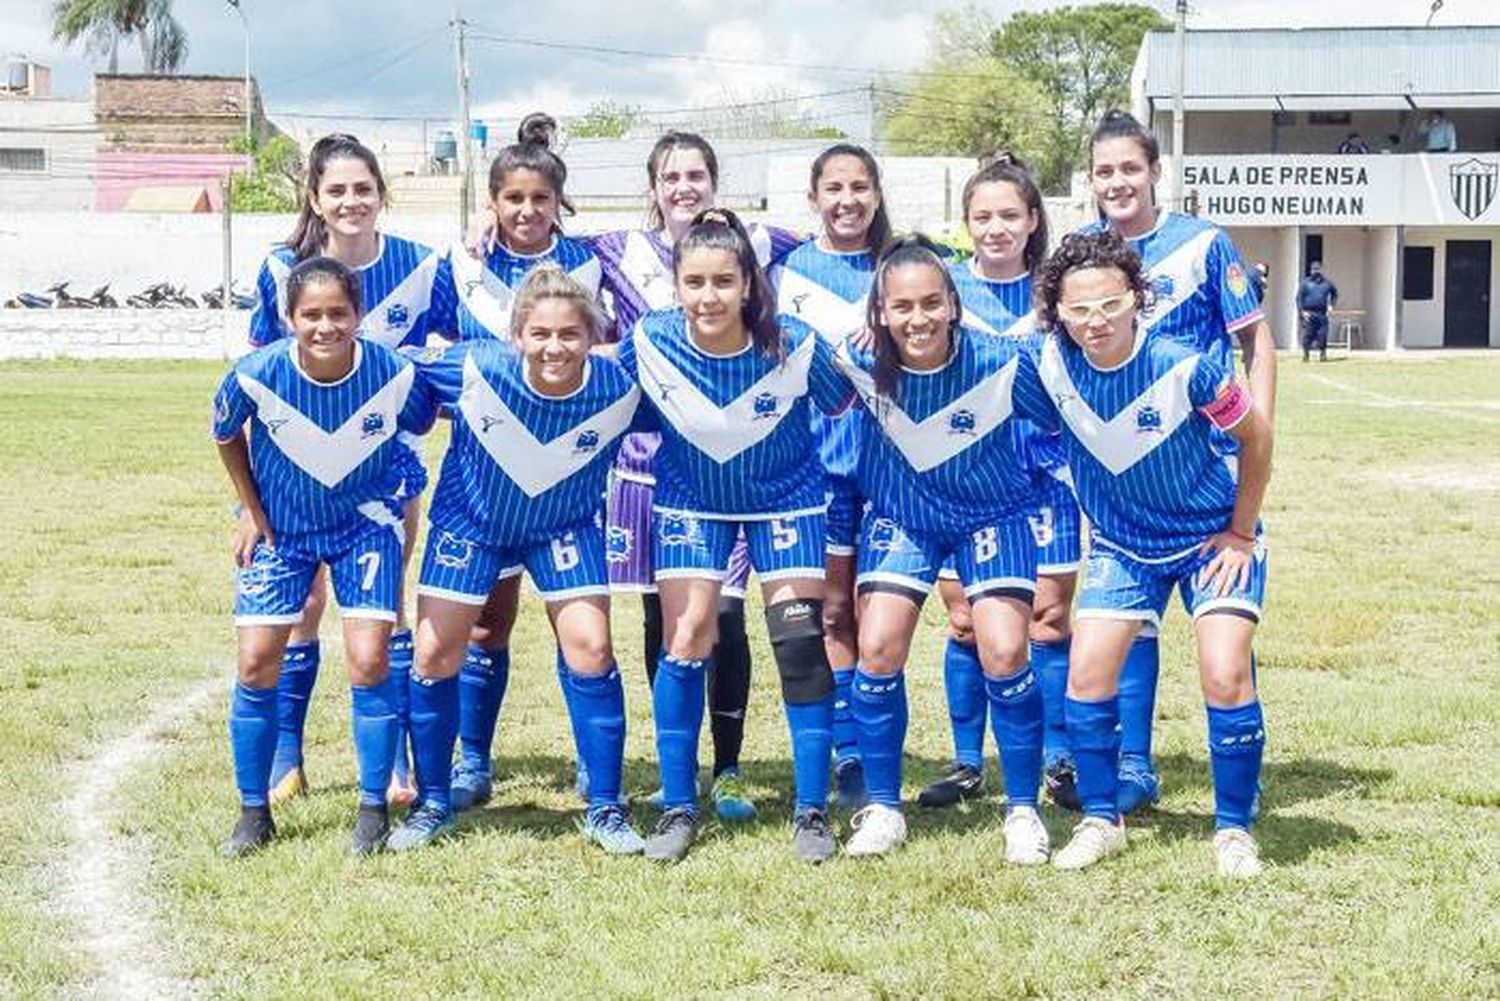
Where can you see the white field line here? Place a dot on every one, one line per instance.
(106, 886)
(1470, 411)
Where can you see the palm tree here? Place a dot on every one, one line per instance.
(102, 23)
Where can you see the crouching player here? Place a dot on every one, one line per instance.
(536, 424)
(317, 482)
(1138, 415)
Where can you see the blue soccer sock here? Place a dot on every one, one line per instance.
(574, 721)
(399, 654)
(299, 673)
(963, 682)
(596, 707)
(880, 713)
(434, 728)
(1094, 736)
(484, 676)
(373, 719)
(811, 724)
(1016, 711)
(677, 699)
(845, 737)
(1050, 661)
(252, 738)
(1236, 745)
(1138, 697)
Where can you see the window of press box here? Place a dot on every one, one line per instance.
(15, 160)
(1416, 273)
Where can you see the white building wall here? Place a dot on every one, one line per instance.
(1383, 287)
(1422, 322)
(65, 130)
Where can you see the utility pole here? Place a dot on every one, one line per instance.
(870, 111)
(465, 152)
(245, 24)
(1178, 111)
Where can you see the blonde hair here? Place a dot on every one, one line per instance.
(549, 281)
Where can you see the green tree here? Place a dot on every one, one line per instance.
(1080, 58)
(605, 120)
(966, 109)
(275, 183)
(103, 23)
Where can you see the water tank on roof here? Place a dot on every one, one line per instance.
(445, 146)
(17, 73)
(480, 133)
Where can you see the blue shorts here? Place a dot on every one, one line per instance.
(366, 580)
(1056, 525)
(998, 559)
(1117, 585)
(568, 564)
(628, 548)
(845, 511)
(685, 544)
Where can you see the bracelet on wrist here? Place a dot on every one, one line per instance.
(1241, 536)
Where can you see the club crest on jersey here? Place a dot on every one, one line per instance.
(961, 422)
(372, 425)
(678, 529)
(452, 552)
(765, 406)
(617, 544)
(397, 316)
(586, 441)
(1148, 419)
(488, 421)
(883, 535)
(1162, 286)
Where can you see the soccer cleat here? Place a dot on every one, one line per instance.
(1093, 839)
(1139, 786)
(878, 830)
(1062, 785)
(673, 835)
(424, 825)
(1239, 855)
(1026, 840)
(812, 836)
(370, 830)
(849, 784)
(730, 801)
(291, 785)
(609, 828)
(471, 787)
(254, 830)
(959, 783)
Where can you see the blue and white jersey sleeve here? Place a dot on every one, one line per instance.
(828, 388)
(232, 408)
(486, 289)
(1239, 306)
(268, 321)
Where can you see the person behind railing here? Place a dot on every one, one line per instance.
(1442, 137)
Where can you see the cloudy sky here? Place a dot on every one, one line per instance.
(395, 57)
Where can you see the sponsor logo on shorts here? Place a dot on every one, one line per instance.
(883, 535)
(253, 580)
(618, 543)
(678, 530)
(452, 552)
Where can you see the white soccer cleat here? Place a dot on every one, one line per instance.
(1093, 839)
(1239, 855)
(1026, 840)
(877, 831)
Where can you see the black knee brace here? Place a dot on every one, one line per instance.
(796, 631)
(651, 606)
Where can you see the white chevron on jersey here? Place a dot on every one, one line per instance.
(930, 442)
(329, 456)
(482, 291)
(1120, 442)
(280, 272)
(1187, 267)
(721, 432)
(535, 466)
(643, 268)
(831, 315)
(1019, 327)
(415, 287)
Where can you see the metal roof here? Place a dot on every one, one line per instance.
(1446, 64)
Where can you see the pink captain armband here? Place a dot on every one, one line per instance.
(1229, 407)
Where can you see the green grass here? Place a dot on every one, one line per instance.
(1380, 671)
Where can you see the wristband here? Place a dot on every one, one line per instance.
(1240, 535)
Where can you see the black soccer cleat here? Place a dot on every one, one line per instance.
(253, 831)
(960, 783)
(370, 830)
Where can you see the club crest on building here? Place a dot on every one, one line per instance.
(1472, 185)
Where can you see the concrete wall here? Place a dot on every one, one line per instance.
(65, 131)
(1422, 322)
(123, 333)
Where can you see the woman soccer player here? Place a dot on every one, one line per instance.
(731, 390)
(1007, 223)
(1139, 415)
(536, 423)
(825, 283)
(401, 284)
(527, 197)
(318, 483)
(940, 469)
(682, 174)
(1201, 297)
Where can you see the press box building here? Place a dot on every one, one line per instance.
(1408, 236)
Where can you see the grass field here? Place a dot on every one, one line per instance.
(1380, 671)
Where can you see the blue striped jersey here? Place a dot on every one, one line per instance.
(520, 466)
(638, 278)
(737, 441)
(1201, 292)
(828, 291)
(405, 291)
(486, 289)
(1140, 443)
(944, 458)
(324, 455)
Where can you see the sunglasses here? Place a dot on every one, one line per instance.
(1109, 307)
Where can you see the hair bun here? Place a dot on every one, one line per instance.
(537, 128)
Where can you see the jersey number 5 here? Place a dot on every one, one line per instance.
(783, 534)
